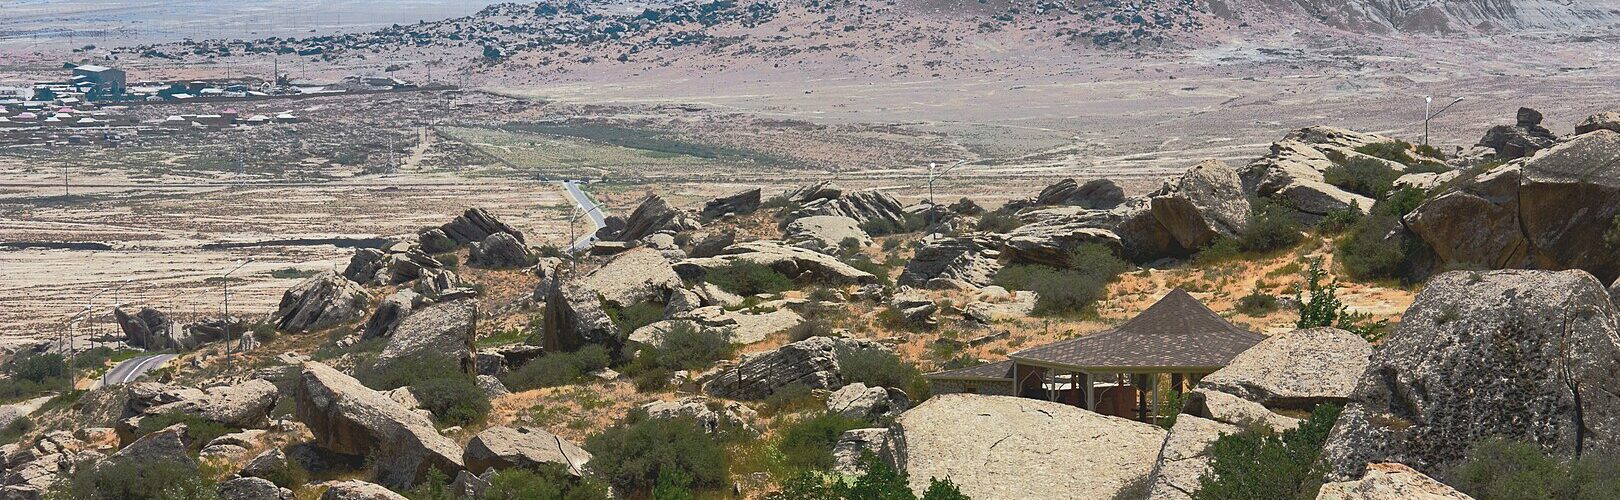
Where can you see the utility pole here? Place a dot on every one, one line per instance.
(227, 320)
(1428, 103)
(65, 181)
(934, 173)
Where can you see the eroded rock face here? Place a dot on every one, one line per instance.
(825, 233)
(1293, 172)
(1294, 371)
(246, 405)
(475, 225)
(654, 214)
(812, 362)
(1205, 202)
(970, 259)
(1478, 223)
(500, 250)
(506, 447)
(147, 329)
(443, 332)
(1544, 340)
(364, 265)
(1521, 139)
(252, 488)
(574, 317)
(854, 443)
(320, 302)
(358, 490)
(349, 418)
(390, 313)
(871, 404)
(1099, 194)
(1607, 120)
(788, 260)
(30, 470)
(742, 203)
(1050, 241)
(713, 415)
(866, 207)
(1390, 481)
(1009, 447)
(633, 277)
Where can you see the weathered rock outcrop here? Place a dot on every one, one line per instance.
(476, 224)
(788, 260)
(506, 447)
(970, 259)
(364, 265)
(1544, 340)
(825, 233)
(246, 405)
(30, 470)
(1293, 172)
(854, 443)
(1607, 120)
(871, 404)
(441, 333)
(812, 362)
(1010, 447)
(390, 313)
(148, 329)
(1295, 371)
(1096, 194)
(713, 415)
(500, 250)
(434, 241)
(1547, 212)
(1521, 139)
(252, 488)
(633, 277)
(1390, 481)
(866, 207)
(654, 214)
(574, 317)
(1205, 202)
(1050, 241)
(742, 203)
(349, 418)
(358, 490)
(322, 301)
(824, 190)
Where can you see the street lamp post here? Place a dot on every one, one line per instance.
(228, 311)
(1428, 103)
(573, 232)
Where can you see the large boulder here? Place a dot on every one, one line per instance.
(168, 444)
(1205, 202)
(1548, 212)
(633, 277)
(252, 488)
(246, 405)
(500, 250)
(1390, 481)
(475, 225)
(320, 302)
(1101, 194)
(506, 447)
(826, 233)
(348, 418)
(358, 490)
(148, 329)
(442, 334)
(1291, 371)
(1294, 172)
(742, 203)
(970, 259)
(365, 265)
(824, 190)
(713, 415)
(869, 207)
(1523, 355)
(870, 404)
(410, 265)
(573, 317)
(654, 214)
(1050, 241)
(789, 260)
(28, 471)
(1521, 139)
(1010, 447)
(811, 362)
(1607, 120)
(389, 314)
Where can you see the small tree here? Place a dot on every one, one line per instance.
(1324, 308)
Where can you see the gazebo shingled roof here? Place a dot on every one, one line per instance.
(1001, 370)
(1178, 333)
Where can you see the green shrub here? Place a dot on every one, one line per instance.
(1430, 151)
(1270, 228)
(632, 454)
(1363, 176)
(15, 430)
(545, 481)
(808, 442)
(1257, 303)
(889, 245)
(881, 368)
(792, 397)
(1338, 221)
(453, 400)
(629, 319)
(40, 367)
(1066, 291)
(408, 371)
(287, 474)
(1221, 250)
(556, 369)
(1259, 464)
(687, 347)
(998, 222)
(748, 278)
(881, 227)
(1323, 308)
(865, 263)
(877, 481)
(1400, 202)
(288, 273)
(135, 479)
(1501, 469)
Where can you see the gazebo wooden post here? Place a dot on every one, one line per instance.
(1091, 401)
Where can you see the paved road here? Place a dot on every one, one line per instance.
(592, 210)
(133, 368)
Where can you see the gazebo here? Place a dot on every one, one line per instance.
(1118, 371)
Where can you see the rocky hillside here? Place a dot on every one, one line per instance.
(766, 342)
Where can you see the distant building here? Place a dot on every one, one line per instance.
(108, 80)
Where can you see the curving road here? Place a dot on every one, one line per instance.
(133, 368)
(592, 210)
